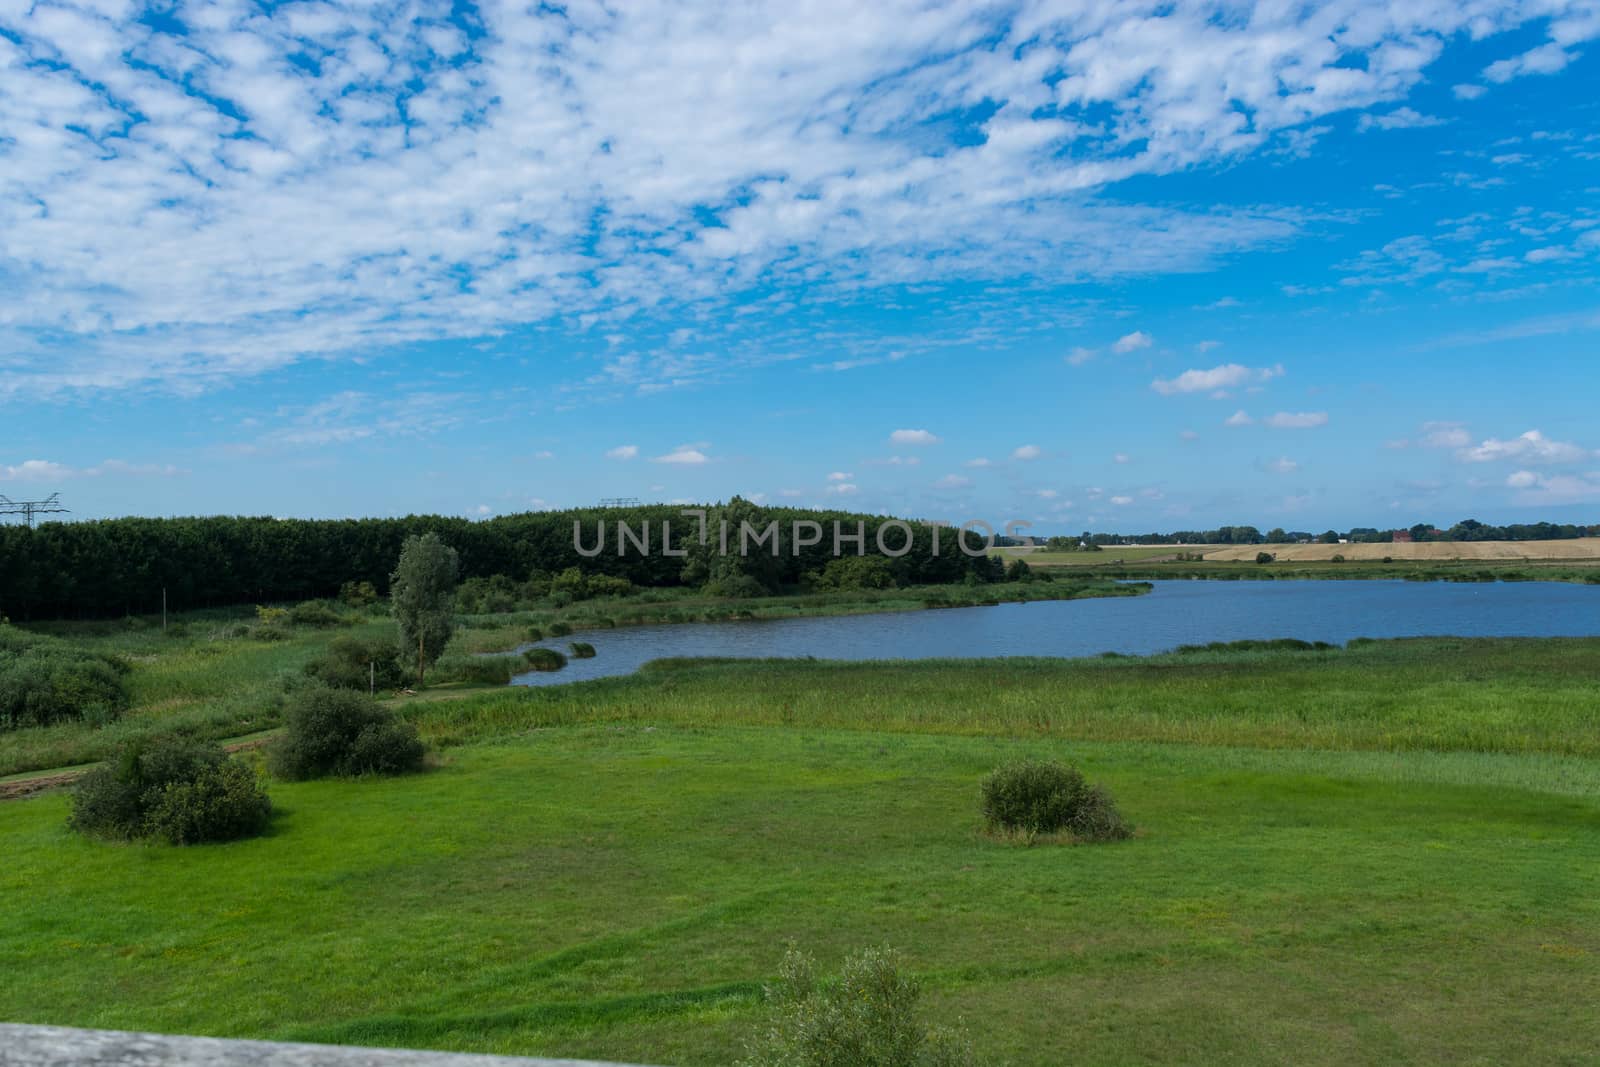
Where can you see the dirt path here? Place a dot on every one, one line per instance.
(42, 781)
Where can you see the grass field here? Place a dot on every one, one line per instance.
(1375, 855)
(1575, 550)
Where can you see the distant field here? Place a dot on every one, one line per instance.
(1584, 548)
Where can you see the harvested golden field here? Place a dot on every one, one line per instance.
(1583, 548)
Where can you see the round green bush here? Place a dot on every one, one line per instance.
(357, 663)
(338, 732)
(558, 629)
(581, 650)
(1047, 797)
(315, 613)
(175, 788)
(544, 659)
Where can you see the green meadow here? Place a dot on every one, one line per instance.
(1367, 855)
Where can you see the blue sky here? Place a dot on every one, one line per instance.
(1111, 266)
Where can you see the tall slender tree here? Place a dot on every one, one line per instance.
(422, 594)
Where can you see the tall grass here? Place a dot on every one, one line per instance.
(1433, 694)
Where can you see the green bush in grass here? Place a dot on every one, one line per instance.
(45, 680)
(867, 1017)
(558, 629)
(544, 659)
(337, 732)
(356, 663)
(1047, 797)
(581, 650)
(175, 788)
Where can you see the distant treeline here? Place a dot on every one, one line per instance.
(114, 567)
(1466, 530)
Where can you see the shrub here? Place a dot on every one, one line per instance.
(272, 624)
(581, 650)
(337, 732)
(1265, 557)
(45, 680)
(1018, 571)
(558, 629)
(544, 659)
(175, 788)
(316, 613)
(358, 594)
(534, 634)
(356, 663)
(736, 587)
(1047, 797)
(867, 1017)
(857, 572)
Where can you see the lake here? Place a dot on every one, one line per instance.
(1175, 613)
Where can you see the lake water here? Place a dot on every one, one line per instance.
(1175, 613)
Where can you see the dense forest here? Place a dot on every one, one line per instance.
(114, 567)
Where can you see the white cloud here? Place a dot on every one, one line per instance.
(952, 481)
(1079, 356)
(1121, 457)
(844, 489)
(1046, 494)
(1122, 501)
(1239, 418)
(194, 201)
(978, 463)
(1132, 342)
(35, 470)
(1283, 465)
(1297, 420)
(683, 455)
(1403, 118)
(1531, 447)
(1445, 435)
(1548, 58)
(1189, 435)
(840, 476)
(1027, 452)
(1203, 347)
(1468, 91)
(43, 470)
(623, 452)
(1226, 376)
(546, 454)
(1555, 489)
(920, 438)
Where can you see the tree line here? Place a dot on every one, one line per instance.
(114, 567)
(1466, 530)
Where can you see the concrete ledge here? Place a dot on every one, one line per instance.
(59, 1046)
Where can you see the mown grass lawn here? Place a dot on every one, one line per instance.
(621, 889)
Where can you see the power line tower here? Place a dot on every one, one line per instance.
(51, 505)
